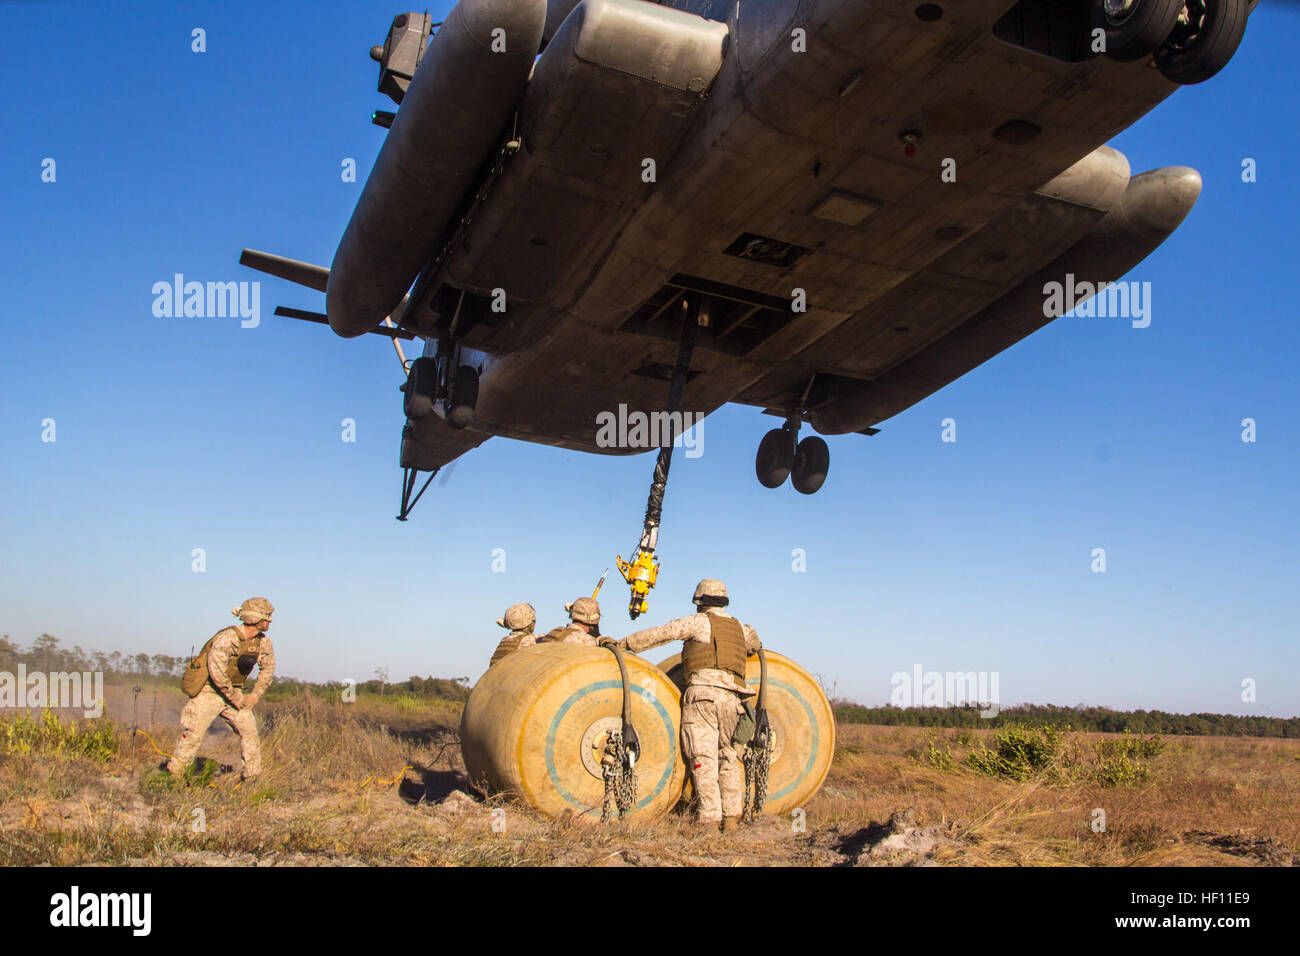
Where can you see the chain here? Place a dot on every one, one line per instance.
(757, 760)
(619, 771)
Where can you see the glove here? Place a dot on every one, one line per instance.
(236, 698)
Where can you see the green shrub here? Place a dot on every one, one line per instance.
(1019, 753)
(200, 773)
(1120, 761)
(48, 736)
(942, 759)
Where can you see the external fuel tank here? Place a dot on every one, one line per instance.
(459, 105)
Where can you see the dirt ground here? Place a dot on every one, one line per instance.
(381, 782)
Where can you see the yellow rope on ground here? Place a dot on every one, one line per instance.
(154, 745)
(386, 783)
(164, 753)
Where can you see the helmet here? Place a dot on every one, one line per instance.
(518, 617)
(711, 593)
(585, 610)
(254, 610)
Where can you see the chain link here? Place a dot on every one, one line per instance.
(757, 760)
(619, 771)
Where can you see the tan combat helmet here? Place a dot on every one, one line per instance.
(584, 610)
(254, 610)
(710, 593)
(518, 617)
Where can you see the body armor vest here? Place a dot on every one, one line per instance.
(725, 650)
(196, 675)
(241, 665)
(509, 644)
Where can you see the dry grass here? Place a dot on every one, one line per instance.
(344, 785)
(1246, 789)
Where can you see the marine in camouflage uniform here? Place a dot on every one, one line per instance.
(519, 618)
(233, 653)
(583, 626)
(713, 657)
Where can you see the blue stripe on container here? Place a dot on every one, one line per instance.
(812, 724)
(564, 709)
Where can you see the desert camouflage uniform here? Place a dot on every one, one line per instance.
(513, 642)
(584, 610)
(519, 619)
(220, 698)
(571, 633)
(711, 708)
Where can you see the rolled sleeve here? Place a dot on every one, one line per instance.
(265, 667)
(682, 629)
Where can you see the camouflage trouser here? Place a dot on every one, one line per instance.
(195, 718)
(709, 717)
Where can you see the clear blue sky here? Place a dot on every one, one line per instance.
(175, 434)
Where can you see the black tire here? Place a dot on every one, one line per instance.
(1211, 49)
(1147, 26)
(775, 458)
(464, 396)
(406, 455)
(812, 460)
(421, 388)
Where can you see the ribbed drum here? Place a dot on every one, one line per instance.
(802, 723)
(535, 725)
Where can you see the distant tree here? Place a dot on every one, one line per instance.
(382, 674)
(44, 649)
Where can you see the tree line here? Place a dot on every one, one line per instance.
(47, 654)
(1096, 719)
(442, 688)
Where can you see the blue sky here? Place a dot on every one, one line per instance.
(175, 434)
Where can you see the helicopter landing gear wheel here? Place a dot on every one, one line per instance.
(464, 396)
(420, 390)
(1134, 28)
(1202, 44)
(812, 460)
(775, 458)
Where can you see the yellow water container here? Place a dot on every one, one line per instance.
(536, 724)
(803, 728)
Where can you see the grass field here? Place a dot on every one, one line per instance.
(380, 781)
